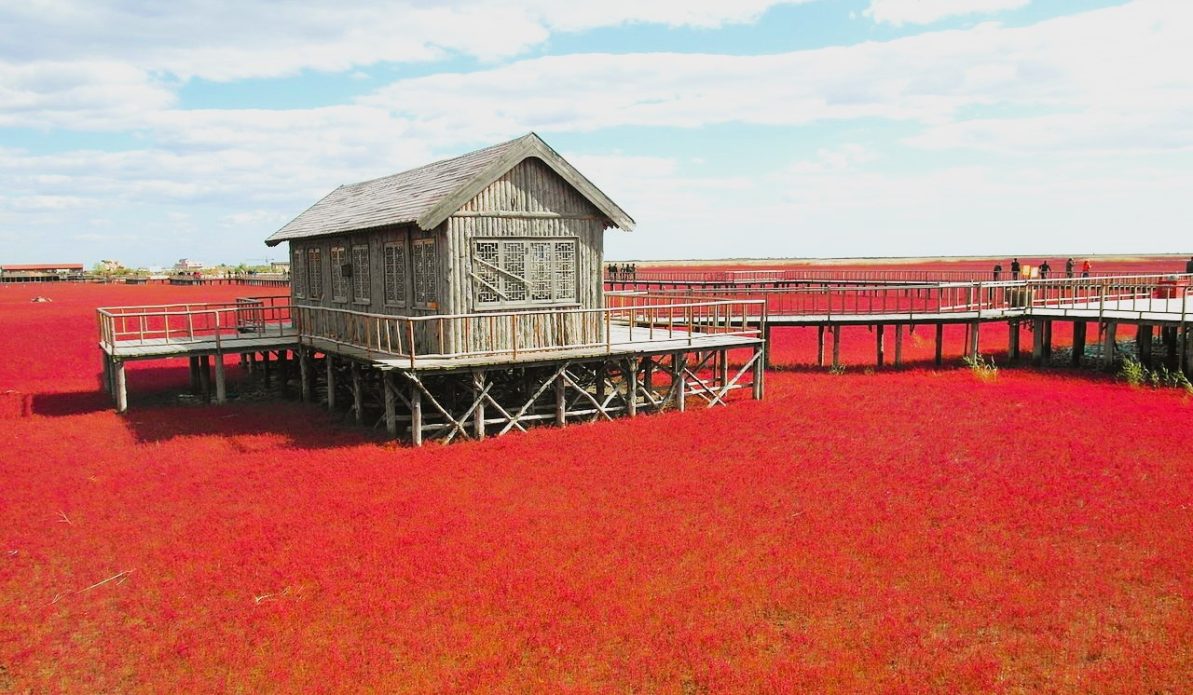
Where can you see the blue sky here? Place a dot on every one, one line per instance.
(811, 128)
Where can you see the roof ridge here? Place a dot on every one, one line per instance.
(439, 161)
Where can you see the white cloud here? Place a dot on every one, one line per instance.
(224, 40)
(900, 12)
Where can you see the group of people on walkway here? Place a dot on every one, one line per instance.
(625, 270)
(1044, 269)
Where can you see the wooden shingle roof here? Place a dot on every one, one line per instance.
(429, 194)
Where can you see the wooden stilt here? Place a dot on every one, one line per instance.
(880, 343)
(899, 345)
(265, 370)
(837, 346)
(1013, 328)
(105, 372)
(304, 374)
(759, 373)
(631, 386)
(1143, 340)
(358, 396)
(679, 380)
(1048, 338)
(1079, 328)
(416, 415)
(221, 389)
(193, 363)
(766, 336)
(560, 399)
(939, 344)
(205, 377)
(391, 398)
(478, 414)
(975, 348)
(331, 381)
(819, 346)
(120, 386)
(648, 376)
(252, 366)
(1037, 342)
(1108, 344)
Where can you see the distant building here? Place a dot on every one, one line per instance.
(279, 266)
(109, 266)
(17, 272)
(188, 264)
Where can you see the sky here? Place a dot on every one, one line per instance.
(147, 132)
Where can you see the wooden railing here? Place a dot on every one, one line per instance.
(219, 322)
(817, 276)
(524, 334)
(1158, 293)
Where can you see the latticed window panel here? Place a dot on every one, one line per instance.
(360, 274)
(298, 273)
(395, 273)
(339, 282)
(512, 272)
(314, 274)
(426, 274)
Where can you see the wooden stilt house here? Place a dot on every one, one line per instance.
(509, 227)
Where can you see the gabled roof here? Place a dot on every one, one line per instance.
(429, 194)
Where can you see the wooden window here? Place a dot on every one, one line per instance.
(314, 274)
(298, 272)
(524, 272)
(395, 273)
(360, 274)
(426, 274)
(339, 280)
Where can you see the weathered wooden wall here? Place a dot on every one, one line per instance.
(529, 201)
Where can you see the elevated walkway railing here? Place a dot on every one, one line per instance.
(220, 323)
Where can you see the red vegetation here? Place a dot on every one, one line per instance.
(904, 531)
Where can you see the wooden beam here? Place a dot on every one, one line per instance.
(221, 389)
(390, 397)
(478, 415)
(120, 386)
(358, 398)
(304, 373)
(330, 362)
(1079, 329)
(416, 415)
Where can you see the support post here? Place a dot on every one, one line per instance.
(221, 389)
(331, 381)
(766, 337)
(193, 363)
(1079, 329)
(478, 414)
(560, 400)
(759, 373)
(1013, 340)
(416, 415)
(1037, 342)
(358, 399)
(265, 371)
(975, 346)
(939, 344)
(391, 415)
(1143, 339)
(880, 339)
(899, 345)
(679, 380)
(631, 387)
(205, 377)
(837, 346)
(819, 345)
(304, 373)
(1048, 338)
(120, 386)
(1108, 344)
(648, 374)
(105, 372)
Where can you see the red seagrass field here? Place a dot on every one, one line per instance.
(878, 530)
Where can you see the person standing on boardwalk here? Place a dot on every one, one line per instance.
(1044, 270)
(1085, 268)
(1069, 268)
(1189, 265)
(997, 272)
(1014, 268)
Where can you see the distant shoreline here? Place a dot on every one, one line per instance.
(894, 260)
